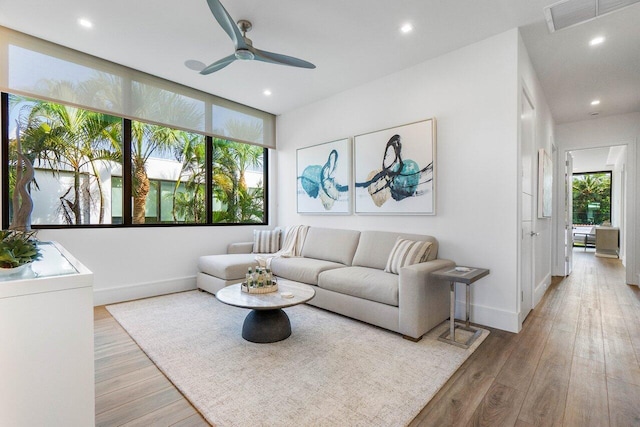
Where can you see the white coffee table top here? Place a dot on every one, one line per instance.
(232, 295)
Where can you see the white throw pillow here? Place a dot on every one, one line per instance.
(266, 241)
(407, 252)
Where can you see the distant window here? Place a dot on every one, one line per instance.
(592, 198)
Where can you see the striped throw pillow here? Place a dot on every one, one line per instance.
(406, 252)
(266, 241)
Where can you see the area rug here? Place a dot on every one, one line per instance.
(331, 371)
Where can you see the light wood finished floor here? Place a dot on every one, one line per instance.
(575, 363)
(130, 390)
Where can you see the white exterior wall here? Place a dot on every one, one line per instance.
(473, 94)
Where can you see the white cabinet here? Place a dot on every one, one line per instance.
(46, 343)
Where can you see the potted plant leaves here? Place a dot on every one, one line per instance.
(18, 249)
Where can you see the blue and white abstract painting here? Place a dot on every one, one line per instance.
(323, 176)
(395, 170)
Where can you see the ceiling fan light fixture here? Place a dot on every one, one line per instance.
(244, 54)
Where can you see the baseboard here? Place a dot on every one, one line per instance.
(489, 316)
(540, 289)
(143, 290)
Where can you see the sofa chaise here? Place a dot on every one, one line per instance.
(347, 269)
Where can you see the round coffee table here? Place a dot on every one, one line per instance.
(266, 322)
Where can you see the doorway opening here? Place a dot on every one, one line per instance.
(597, 199)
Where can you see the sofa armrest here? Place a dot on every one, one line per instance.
(240, 248)
(423, 300)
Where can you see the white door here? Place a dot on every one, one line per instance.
(527, 269)
(568, 215)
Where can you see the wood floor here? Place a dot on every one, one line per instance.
(130, 390)
(575, 363)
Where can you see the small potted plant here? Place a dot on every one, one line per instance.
(18, 249)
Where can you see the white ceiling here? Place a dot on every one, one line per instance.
(351, 42)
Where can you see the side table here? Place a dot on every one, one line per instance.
(466, 275)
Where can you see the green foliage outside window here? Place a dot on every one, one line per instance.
(592, 198)
(81, 149)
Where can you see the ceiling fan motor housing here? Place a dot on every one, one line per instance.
(244, 54)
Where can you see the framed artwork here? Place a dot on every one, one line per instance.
(395, 170)
(545, 184)
(324, 174)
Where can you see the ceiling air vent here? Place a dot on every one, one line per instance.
(568, 13)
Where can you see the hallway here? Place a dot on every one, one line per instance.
(575, 362)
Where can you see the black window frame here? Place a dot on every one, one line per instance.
(607, 172)
(127, 206)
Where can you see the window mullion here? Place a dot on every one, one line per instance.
(208, 179)
(4, 119)
(127, 179)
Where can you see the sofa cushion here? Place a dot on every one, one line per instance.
(375, 246)
(331, 244)
(406, 252)
(362, 282)
(266, 241)
(227, 266)
(305, 270)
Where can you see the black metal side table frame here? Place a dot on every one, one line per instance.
(466, 275)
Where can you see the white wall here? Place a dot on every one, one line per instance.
(617, 190)
(472, 93)
(621, 129)
(544, 138)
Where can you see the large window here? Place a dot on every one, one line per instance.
(94, 169)
(592, 198)
(73, 152)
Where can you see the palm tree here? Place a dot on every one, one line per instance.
(591, 188)
(147, 140)
(189, 204)
(72, 139)
(231, 161)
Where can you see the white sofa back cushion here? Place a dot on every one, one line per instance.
(331, 244)
(375, 246)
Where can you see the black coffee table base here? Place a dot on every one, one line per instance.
(265, 326)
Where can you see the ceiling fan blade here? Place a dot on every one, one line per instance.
(227, 23)
(218, 65)
(194, 65)
(276, 58)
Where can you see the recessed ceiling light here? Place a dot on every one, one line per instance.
(596, 41)
(267, 92)
(84, 22)
(406, 28)
(595, 102)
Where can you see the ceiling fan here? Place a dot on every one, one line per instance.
(244, 47)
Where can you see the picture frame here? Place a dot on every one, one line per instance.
(545, 184)
(395, 170)
(323, 184)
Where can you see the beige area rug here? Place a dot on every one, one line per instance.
(331, 371)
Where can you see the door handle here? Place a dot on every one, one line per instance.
(533, 234)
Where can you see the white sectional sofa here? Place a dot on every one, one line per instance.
(346, 267)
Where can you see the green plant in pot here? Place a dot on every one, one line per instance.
(17, 249)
